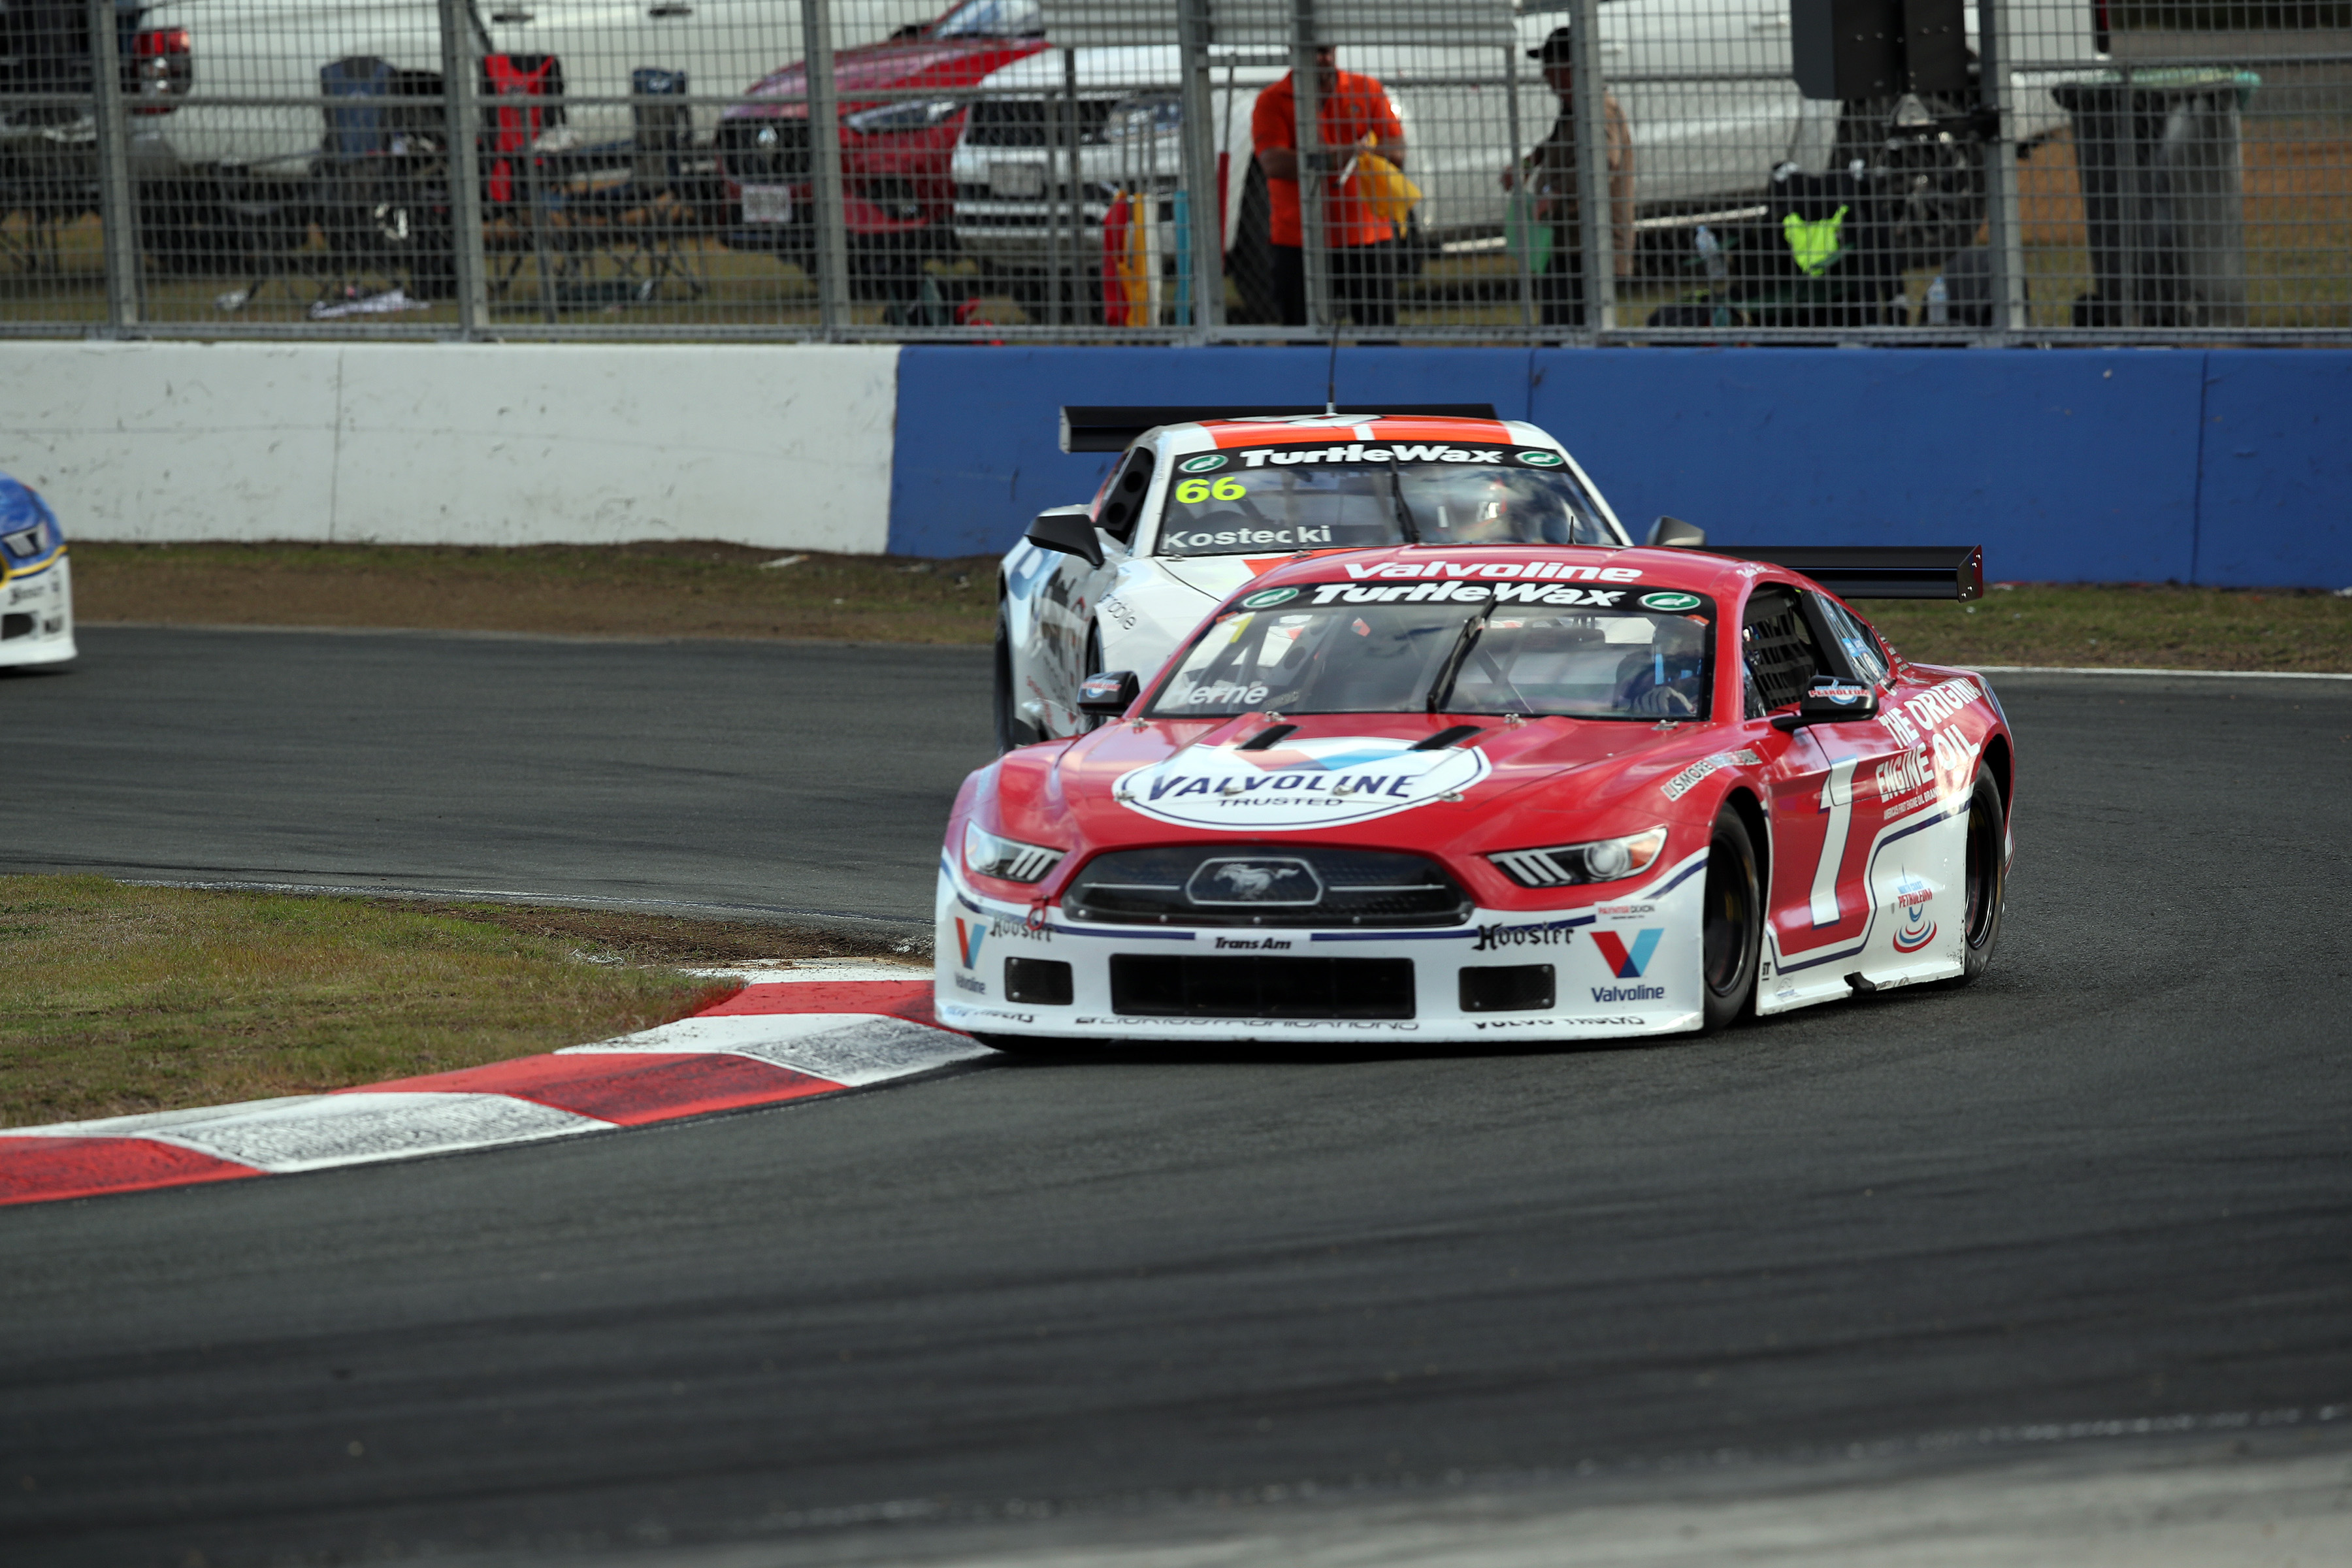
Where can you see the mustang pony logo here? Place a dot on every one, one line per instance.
(1305, 785)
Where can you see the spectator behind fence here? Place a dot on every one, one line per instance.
(1550, 170)
(1356, 116)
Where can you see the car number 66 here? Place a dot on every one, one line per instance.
(1191, 492)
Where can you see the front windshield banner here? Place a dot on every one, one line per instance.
(1597, 652)
(1356, 495)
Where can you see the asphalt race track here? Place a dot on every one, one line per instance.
(2110, 1182)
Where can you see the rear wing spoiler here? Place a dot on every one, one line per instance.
(1114, 428)
(1876, 570)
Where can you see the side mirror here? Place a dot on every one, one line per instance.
(1071, 530)
(1108, 694)
(1673, 534)
(1832, 704)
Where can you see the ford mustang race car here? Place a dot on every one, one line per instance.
(1450, 792)
(36, 582)
(1202, 501)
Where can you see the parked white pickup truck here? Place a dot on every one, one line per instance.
(1706, 85)
(201, 152)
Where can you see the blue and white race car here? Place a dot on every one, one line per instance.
(36, 581)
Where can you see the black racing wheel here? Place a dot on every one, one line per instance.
(1987, 866)
(1010, 730)
(1731, 922)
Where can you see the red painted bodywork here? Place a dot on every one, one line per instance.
(1554, 780)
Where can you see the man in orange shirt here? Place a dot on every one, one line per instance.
(1357, 117)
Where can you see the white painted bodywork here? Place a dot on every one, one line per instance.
(46, 595)
(1140, 605)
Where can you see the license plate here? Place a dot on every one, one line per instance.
(1017, 179)
(767, 204)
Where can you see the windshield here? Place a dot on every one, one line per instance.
(1258, 499)
(992, 19)
(1598, 662)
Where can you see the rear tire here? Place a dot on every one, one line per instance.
(1731, 922)
(1011, 731)
(1985, 860)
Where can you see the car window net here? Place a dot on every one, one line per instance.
(1388, 658)
(1243, 511)
(1781, 657)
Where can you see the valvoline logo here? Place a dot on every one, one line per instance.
(968, 939)
(1310, 783)
(1918, 930)
(1623, 962)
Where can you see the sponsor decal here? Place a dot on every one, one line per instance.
(969, 935)
(1628, 993)
(1937, 704)
(1206, 463)
(1538, 571)
(1001, 926)
(1500, 456)
(1918, 928)
(1470, 592)
(1162, 1020)
(1624, 962)
(1300, 538)
(966, 982)
(1684, 781)
(1266, 598)
(1622, 911)
(1673, 602)
(1549, 933)
(1606, 1022)
(1311, 783)
(1223, 691)
(1255, 943)
(1111, 605)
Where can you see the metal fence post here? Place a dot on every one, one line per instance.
(462, 121)
(1071, 309)
(1204, 192)
(1520, 192)
(1307, 92)
(825, 147)
(2001, 47)
(1595, 210)
(117, 213)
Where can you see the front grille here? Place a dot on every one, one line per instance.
(19, 626)
(1149, 985)
(1029, 121)
(763, 151)
(1264, 885)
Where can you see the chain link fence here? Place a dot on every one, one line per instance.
(1476, 171)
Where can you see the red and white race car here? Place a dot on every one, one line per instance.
(1451, 791)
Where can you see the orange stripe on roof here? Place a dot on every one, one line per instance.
(1324, 433)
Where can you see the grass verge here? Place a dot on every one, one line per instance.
(124, 999)
(690, 589)
(2130, 626)
(706, 590)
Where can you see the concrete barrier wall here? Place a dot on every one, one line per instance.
(2216, 466)
(784, 447)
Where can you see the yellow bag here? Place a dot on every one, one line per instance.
(1383, 190)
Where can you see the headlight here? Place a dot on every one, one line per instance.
(986, 855)
(1603, 860)
(918, 115)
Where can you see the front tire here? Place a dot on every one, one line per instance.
(1011, 731)
(1985, 860)
(1731, 922)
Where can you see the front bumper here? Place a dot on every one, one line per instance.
(1627, 966)
(37, 624)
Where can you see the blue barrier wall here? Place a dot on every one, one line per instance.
(2227, 468)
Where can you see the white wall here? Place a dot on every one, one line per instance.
(785, 446)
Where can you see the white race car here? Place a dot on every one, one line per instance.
(1205, 499)
(36, 582)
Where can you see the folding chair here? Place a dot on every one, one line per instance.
(644, 221)
(522, 98)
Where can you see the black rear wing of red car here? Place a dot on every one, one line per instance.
(1876, 570)
(1114, 428)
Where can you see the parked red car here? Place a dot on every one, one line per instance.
(894, 150)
